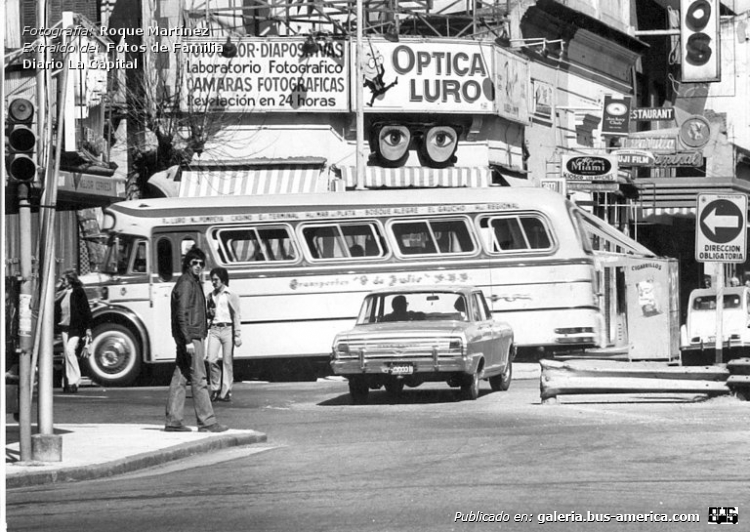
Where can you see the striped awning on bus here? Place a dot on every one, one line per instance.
(282, 179)
(417, 176)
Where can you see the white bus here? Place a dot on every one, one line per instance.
(302, 264)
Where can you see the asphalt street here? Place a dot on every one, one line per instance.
(421, 461)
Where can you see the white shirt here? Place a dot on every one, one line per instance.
(221, 300)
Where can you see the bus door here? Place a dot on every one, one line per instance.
(169, 248)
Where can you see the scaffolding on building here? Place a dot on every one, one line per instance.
(475, 19)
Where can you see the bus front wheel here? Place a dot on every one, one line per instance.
(115, 358)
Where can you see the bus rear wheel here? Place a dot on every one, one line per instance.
(115, 358)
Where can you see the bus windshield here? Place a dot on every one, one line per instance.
(120, 249)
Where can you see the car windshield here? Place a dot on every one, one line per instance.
(413, 306)
(709, 302)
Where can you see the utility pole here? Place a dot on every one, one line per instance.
(26, 343)
(360, 100)
(46, 445)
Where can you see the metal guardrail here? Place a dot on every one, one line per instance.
(608, 376)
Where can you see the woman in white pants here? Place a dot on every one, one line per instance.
(223, 335)
(73, 320)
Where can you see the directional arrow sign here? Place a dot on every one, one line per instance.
(716, 224)
(721, 228)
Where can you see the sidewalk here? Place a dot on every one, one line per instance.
(94, 451)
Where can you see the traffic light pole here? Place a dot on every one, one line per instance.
(24, 324)
(47, 446)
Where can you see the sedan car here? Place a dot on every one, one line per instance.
(410, 335)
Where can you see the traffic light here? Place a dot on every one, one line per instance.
(20, 137)
(700, 40)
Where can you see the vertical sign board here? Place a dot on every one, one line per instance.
(652, 308)
(721, 236)
(616, 116)
(721, 228)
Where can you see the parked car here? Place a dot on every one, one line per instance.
(410, 335)
(698, 335)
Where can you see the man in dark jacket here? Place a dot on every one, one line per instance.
(189, 330)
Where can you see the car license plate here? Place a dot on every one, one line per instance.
(402, 369)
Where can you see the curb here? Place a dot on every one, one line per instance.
(133, 463)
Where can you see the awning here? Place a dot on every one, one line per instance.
(649, 212)
(419, 177)
(516, 181)
(89, 189)
(287, 179)
(166, 182)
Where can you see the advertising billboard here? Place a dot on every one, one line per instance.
(269, 74)
(419, 76)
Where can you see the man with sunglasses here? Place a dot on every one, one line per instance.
(189, 330)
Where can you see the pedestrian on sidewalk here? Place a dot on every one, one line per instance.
(223, 335)
(189, 329)
(73, 321)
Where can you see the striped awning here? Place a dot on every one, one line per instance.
(647, 212)
(419, 177)
(282, 179)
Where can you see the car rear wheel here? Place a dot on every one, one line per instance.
(358, 389)
(470, 387)
(501, 383)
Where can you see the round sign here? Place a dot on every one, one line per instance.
(617, 109)
(721, 221)
(695, 132)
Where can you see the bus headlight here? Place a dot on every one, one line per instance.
(575, 334)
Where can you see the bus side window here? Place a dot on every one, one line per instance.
(164, 259)
(325, 242)
(508, 233)
(453, 236)
(371, 248)
(536, 233)
(413, 238)
(186, 245)
(276, 244)
(214, 241)
(139, 262)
